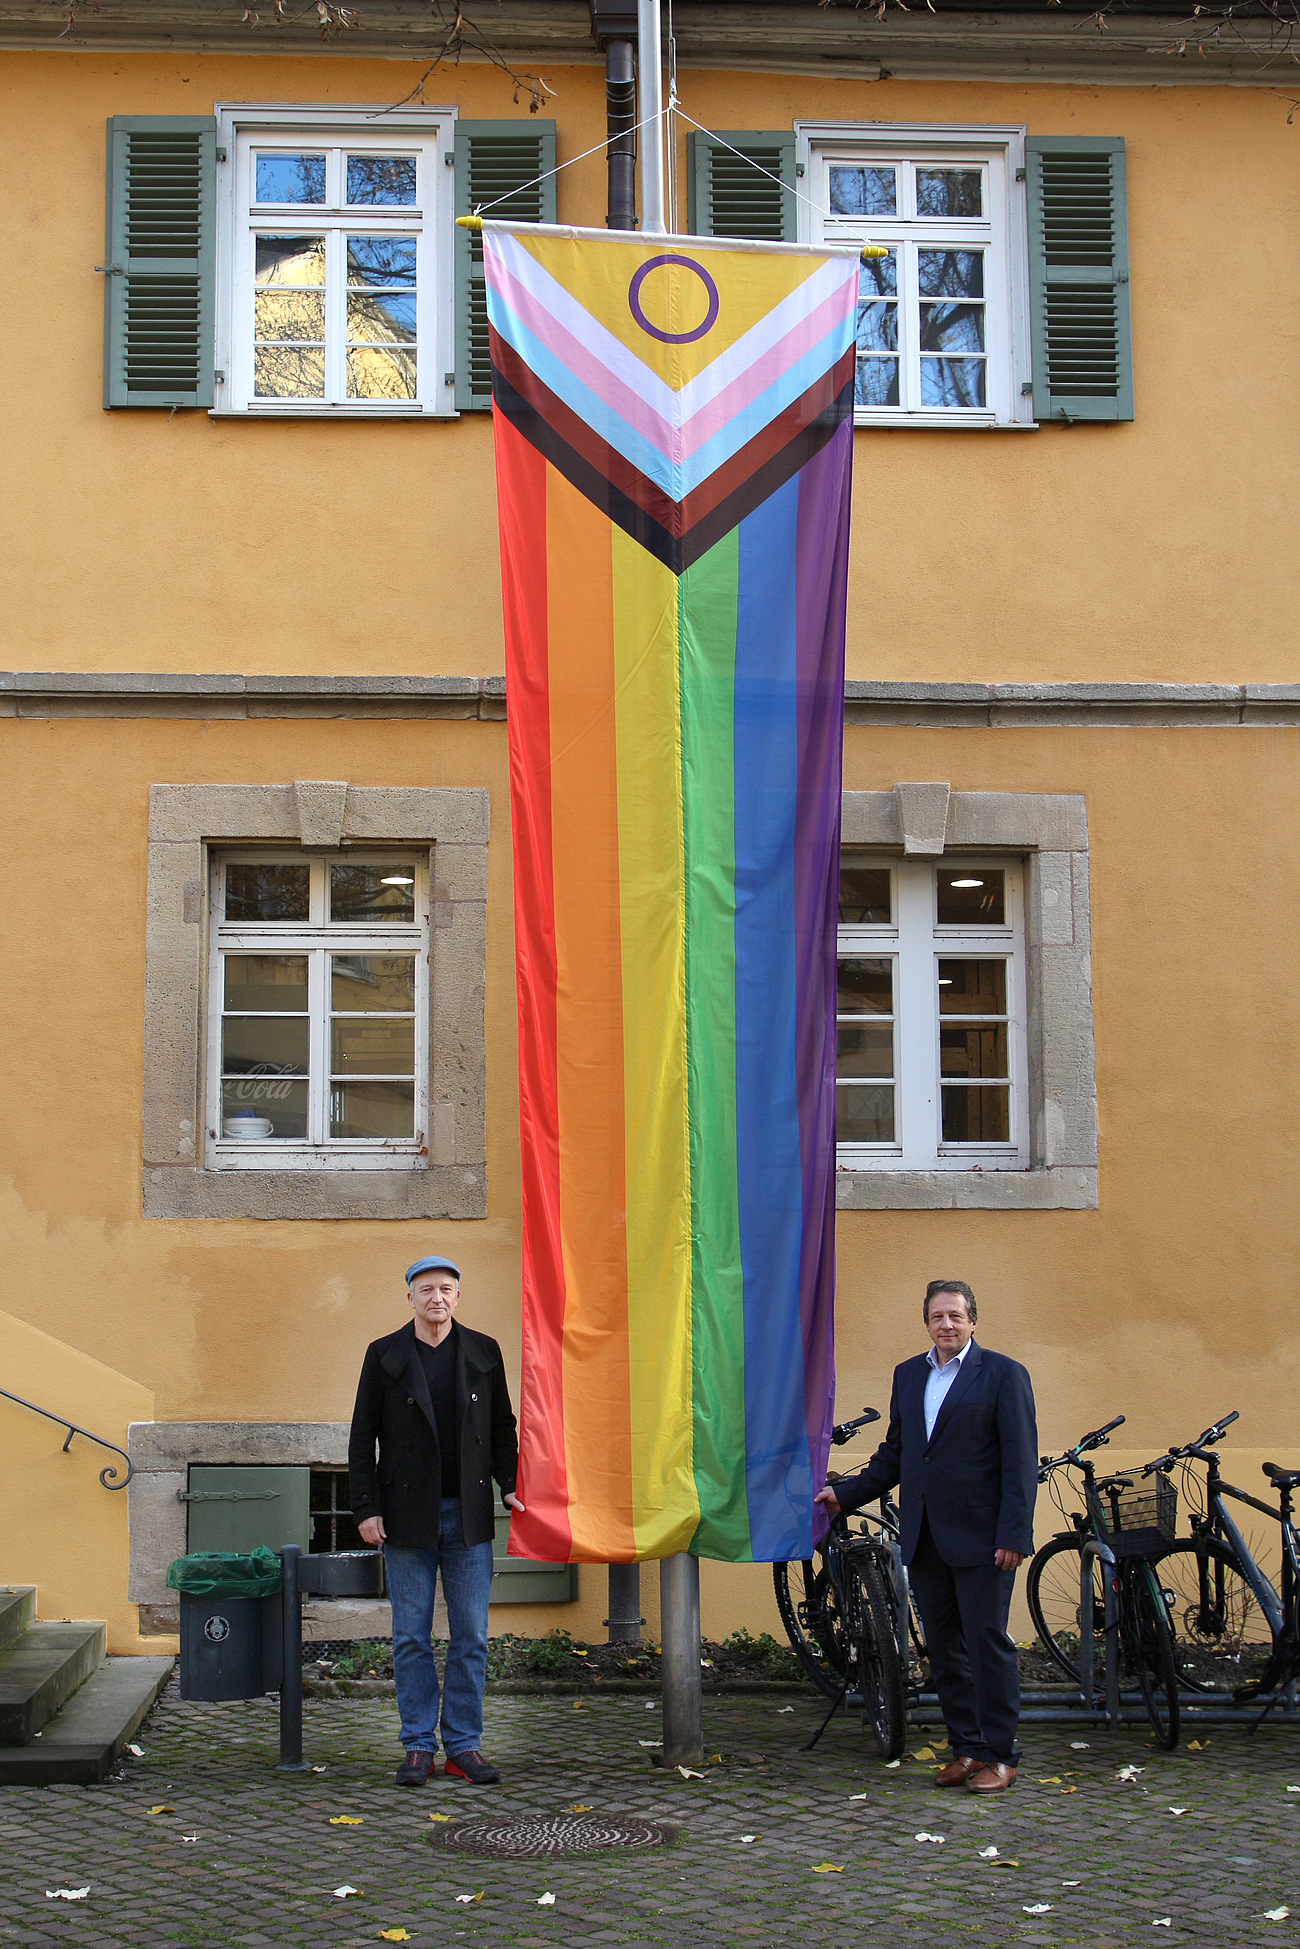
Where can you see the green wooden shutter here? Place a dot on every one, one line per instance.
(728, 197)
(248, 1508)
(518, 1580)
(493, 160)
(1078, 278)
(160, 260)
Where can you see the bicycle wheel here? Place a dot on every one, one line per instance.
(873, 1635)
(810, 1612)
(1052, 1591)
(1149, 1651)
(1220, 1633)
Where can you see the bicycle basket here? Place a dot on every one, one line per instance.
(1145, 1519)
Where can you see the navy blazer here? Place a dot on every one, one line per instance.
(976, 1478)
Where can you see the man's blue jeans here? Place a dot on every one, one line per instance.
(466, 1580)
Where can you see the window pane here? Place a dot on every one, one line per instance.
(372, 982)
(864, 1113)
(381, 179)
(977, 1116)
(866, 987)
(951, 273)
(876, 383)
(381, 317)
(289, 314)
(972, 896)
(382, 260)
(267, 892)
(372, 1110)
(289, 372)
(864, 1049)
(374, 374)
(878, 278)
(372, 1046)
(290, 179)
(877, 327)
(952, 328)
(264, 1045)
(972, 987)
(973, 1052)
(256, 983)
(864, 894)
(372, 892)
(949, 193)
(264, 1106)
(289, 260)
(863, 190)
(953, 382)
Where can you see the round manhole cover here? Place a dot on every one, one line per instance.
(569, 1834)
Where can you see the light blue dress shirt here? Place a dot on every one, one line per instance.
(938, 1381)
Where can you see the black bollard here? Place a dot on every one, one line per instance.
(291, 1675)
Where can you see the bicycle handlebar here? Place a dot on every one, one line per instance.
(844, 1431)
(1098, 1438)
(1214, 1433)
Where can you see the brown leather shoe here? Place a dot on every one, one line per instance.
(957, 1771)
(993, 1778)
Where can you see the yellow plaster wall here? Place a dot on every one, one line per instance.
(1155, 550)
(1172, 1303)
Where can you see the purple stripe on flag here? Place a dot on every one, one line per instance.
(821, 579)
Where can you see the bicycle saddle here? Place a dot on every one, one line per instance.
(1114, 1481)
(1281, 1478)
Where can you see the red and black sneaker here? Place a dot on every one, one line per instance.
(415, 1768)
(473, 1767)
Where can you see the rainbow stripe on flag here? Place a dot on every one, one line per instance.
(673, 443)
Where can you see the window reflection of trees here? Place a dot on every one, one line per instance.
(289, 325)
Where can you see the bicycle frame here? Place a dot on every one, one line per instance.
(1217, 1518)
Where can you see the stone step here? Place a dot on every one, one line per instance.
(40, 1671)
(17, 1611)
(80, 1745)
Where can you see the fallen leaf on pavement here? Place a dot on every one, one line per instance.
(1006, 1864)
(827, 1868)
(785, 1708)
(1069, 1789)
(690, 1773)
(577, 1705)
(1078, 1745)
(394, 1935)
(578, 1807)
(1175, 1811)
(891, 1764)
(546, 1901)
(745, 1839)
(1051, 1780)
(576, 1652)
(439, 1816)
(318, 1769)
(1293, 1789)
(924, 1753)
(1072, 1884)
(857, 1796)
(345, 1820)
(471, 1898)
(1276, 1914)
(1037, 1908)
(937, 1838)
(136, 1752)
(345, 1889)
(650, 1706)
(162, 1808)
(1197, 1745)
(1129, 1772)
(988, 1854)
(1162, 1921)
(189, 1839)
(649, 1742)
(66, 1894)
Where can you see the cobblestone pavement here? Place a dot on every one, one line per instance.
(203, 1842)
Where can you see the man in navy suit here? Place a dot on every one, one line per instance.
(963, 1445)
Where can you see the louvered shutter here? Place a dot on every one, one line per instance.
(493, 160)
(729, 197)
(160, 260)
(1078, 278)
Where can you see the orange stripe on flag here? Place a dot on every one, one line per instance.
(589, 1019)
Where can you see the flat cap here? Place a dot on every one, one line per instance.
(431, 1265)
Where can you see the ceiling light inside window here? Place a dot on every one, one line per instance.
(967, 883)
(405, 880)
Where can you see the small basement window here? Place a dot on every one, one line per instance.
(332, 1527)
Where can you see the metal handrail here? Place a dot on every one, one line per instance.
(108, 1476)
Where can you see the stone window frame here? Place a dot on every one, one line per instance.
(1049, 831)
(185, 823)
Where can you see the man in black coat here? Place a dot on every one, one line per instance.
(963, 1445)
(433, 1396)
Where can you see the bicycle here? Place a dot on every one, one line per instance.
(1221, 1605)
(1136, 1529)
(842, 1610)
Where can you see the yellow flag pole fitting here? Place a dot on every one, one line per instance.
(476, 223)
(868, 250)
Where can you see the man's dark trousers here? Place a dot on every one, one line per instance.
(972, 1660)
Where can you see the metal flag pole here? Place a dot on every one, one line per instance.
(650, 76)
(679, 1619)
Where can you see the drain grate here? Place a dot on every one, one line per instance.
(536, 1835)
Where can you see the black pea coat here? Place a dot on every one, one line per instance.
(394, 1410)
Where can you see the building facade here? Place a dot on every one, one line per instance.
(262, 1049)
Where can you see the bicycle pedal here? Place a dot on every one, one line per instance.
(1252, 1689)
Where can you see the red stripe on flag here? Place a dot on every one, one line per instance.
(543, 1531)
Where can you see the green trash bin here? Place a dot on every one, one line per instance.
(230, 1647)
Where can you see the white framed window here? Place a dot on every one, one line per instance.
(943, 319)
(932, 1060)
(318, 1009)
(334, 261)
